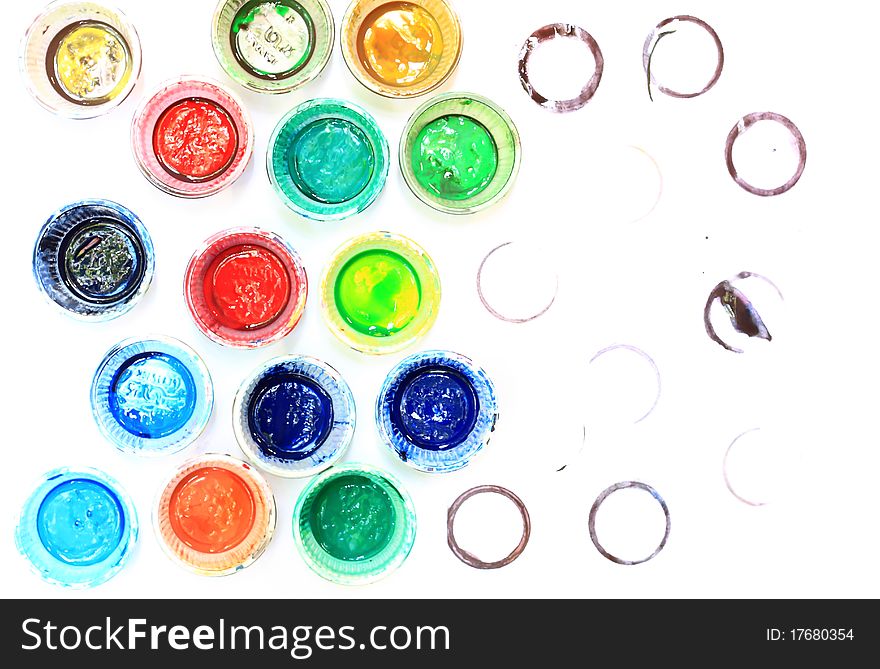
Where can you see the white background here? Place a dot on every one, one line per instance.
(812, 391)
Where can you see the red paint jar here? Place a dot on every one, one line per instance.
(195, 139)
(245, 287)
(192, 138)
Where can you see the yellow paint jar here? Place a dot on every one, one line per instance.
(80, 59)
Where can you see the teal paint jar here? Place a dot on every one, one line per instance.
(327, 159)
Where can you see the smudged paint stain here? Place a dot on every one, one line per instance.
(744, 317)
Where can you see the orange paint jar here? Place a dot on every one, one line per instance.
(401, 49)
(215, 515)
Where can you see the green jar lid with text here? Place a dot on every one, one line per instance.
(272, 46)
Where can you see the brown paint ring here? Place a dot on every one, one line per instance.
(647, 52)
(744, 124)
(546, 34)
(469, 558)
(603, 496)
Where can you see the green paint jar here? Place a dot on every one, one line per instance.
(272, 46)
(459, 153)
(380, 293)
(354, 524)
(327, 159)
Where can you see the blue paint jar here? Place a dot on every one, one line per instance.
(78, 528)
(152, 396)
(94, 259)
(294, 416)
(436, 410)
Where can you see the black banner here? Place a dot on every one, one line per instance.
(285, 633)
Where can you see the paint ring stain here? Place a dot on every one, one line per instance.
(469, 558)
(624, 485)
(724, 471)
(517, 283)
(666, 28)
(551, 32)
(741, 127)
(654, 370)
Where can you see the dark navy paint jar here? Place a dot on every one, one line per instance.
(94, 259)
(294, 416)
(436, 410)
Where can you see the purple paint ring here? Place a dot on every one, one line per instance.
(603, 496)
(545, 34)
(744, 124)
(654, 37)
(469, 558)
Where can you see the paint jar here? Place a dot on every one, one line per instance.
(380, 293)
(459, 153)
(80, 59)
(78, 528)
(327, 159)
(401, 49)
(245, 287)
(94, 259)
(354, 524)
(192, 137)
(294, 416)
(215, 515)
(152, 396)
(272, 46)
(436, 410)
